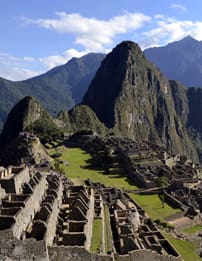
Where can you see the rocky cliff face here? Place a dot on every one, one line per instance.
(130, 95)
(80, 118)
(20, 117)
(83, 118)
(28, 114)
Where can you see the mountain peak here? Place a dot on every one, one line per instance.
(127, 43)
(180, 60)
(24, 113)
(189, 38)
(128, 47)
(108, 82)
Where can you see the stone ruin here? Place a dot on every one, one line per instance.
(142, 161)
(44, 217)
(132, 230)
(188, 199)
(145, 164)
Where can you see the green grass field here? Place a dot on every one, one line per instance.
(193, 229)
(108, 233)
(185, 248)
(80, 169)
(153, 206)
(96, 241)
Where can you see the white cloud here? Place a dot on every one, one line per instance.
(99, 36)
(165, 30)
(17, 73)
(15, 68)
(179, 7)
(29, 59)
(93, 34)
(55, 60)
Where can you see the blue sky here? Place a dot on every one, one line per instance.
(37, 35)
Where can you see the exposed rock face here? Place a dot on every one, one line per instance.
(194, 96)
(130, 95)
(22, 147)
(63, 121)
(194, 122)
(27, 115)
(80, 118)
(20, 117)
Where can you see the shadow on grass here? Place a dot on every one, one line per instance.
(158, 208)
(112, 172)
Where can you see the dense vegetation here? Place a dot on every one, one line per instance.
(45, 129)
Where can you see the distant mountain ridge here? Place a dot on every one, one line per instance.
(60, 88)
(180, 60)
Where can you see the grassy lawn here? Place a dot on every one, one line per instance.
(96, 241)
(108, 233)
(80, 169)
(193, 229)
(185, 248)
(153, 206)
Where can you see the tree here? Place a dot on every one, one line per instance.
(162, 182)
(162, 198)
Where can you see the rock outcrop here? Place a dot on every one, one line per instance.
(83, 118)
(28, 115)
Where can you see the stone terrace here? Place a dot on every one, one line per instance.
(45, 218)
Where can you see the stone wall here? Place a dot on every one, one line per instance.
(146, 255)
(2, 193)
(75, 254)
(30, 249)
(12, 183)
(89, 226)
(22, 250)
(173, 201)
(137, 178)
(32, 205)
(51, 226)
(20, 178)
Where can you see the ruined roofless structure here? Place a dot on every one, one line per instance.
(43, 217)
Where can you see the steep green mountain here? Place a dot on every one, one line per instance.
(180, 60)
(131, 96)
(80, 118)
(28, 115)
(83, 118)
(59, 88)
